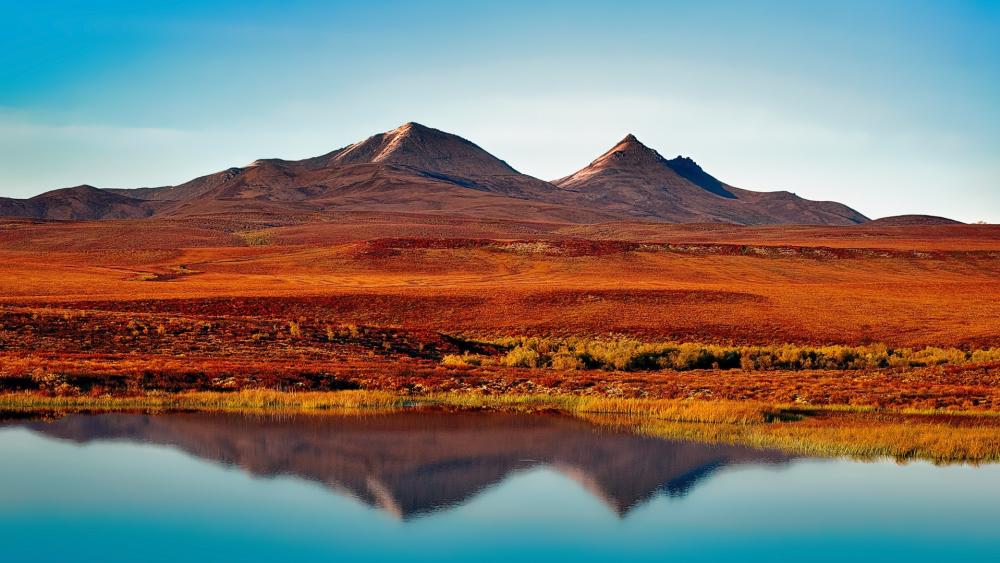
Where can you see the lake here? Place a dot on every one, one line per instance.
(433, 486)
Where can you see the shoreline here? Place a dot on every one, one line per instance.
(862, 432)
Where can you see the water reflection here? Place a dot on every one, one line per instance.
(412, 463)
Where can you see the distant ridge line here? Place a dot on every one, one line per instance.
(418, 169)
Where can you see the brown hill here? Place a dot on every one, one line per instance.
(913, 221)
(416, 169)
(635, 180)
(422, 149)
(410, 169)
(77, 203)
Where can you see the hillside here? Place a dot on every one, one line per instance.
(410, 169)
(635, 180)
(80, 203)
(913, 221)
(417, 169)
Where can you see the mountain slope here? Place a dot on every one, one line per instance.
(635, 180)
(417, 169)
(81, 203)
(412, 168)
(409, 150)
(420, 148)
(913, 220)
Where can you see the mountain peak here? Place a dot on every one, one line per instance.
(430, 150)
(413, 125)
(631, 142)
(82, 189)
(688, 169)
(412, 135)
(412, 128)
(628, 153)
(420, 169)
(630, 161)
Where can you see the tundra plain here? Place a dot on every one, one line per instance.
(881, 322)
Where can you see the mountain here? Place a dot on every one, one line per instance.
(635, 180)
(412, 168)
(913, 220)
(80, 203)
(423, 150)
(417, 169)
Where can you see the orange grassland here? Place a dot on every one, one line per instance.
(97, 312)
(902, 286)
(376, 299)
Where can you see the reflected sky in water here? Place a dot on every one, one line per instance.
(447, 487)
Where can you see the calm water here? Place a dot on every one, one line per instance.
(461, 487)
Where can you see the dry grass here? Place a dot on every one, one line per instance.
(265, 399)
(253, 399)
(354, 304)
(255, 238)
(727, 412)
(855, 436)
(887, 287)
(861, 433)
(629, 354)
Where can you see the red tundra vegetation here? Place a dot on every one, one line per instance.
(901, 319)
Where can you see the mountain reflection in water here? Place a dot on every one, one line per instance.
(412, 463)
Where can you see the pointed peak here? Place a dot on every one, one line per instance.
(684, 162)
(412, 131)
(687, 168)
(411, 126)
(630, 144)
(629, 152)
(424, 148)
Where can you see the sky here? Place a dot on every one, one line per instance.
(890, 107)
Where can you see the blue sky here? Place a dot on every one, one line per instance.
(891, 107)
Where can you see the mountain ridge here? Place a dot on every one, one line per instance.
(910, 220)
(415, 168)
(77, 203)
(636, 180)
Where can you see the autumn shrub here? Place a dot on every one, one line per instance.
(254, 238)
(627, 354)
(522, 357)
(463, 360)
(566, 361)
(985, 356)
